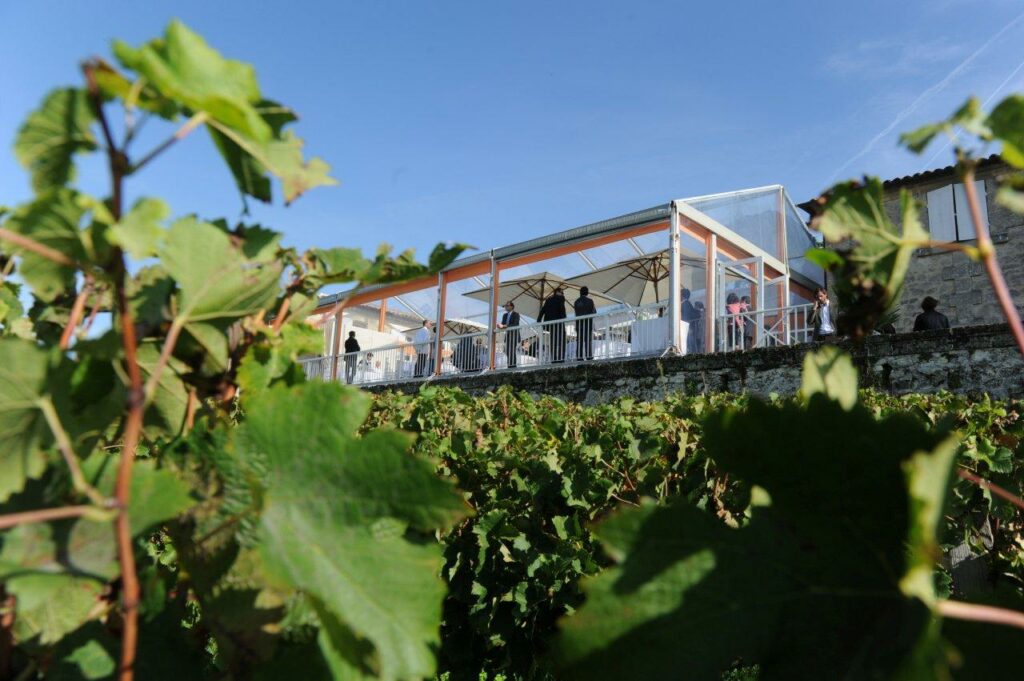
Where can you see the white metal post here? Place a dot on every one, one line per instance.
(785, 307)
(674, 279)
(711, 306)
(759, 315)
(439, 324)
(492, 312)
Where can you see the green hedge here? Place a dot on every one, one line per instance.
(539, 472)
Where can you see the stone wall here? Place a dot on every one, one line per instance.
(961, 286)
(965, 360)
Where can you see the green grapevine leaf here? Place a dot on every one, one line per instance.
(275, 360)
(333, 519)
(830, 372)
(52, 220)
(809, 588)
(24, 371)
(156, 494)
(217, 283)
(139, 232)
(246, 129)
(52, 135)
(875, 252)
(1007, 121)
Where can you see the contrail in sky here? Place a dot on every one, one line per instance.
(984, 105)
(927, 94)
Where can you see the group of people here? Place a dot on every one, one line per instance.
(470, 353)
(554, 310)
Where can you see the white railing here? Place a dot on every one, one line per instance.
(317, 367)
(465, 353)
(631, 332)
(622, 333)
(764, 328)
(388, 364)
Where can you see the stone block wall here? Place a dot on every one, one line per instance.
(960, 285)
(980, 359)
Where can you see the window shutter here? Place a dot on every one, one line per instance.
(941, 215)
(963, 212)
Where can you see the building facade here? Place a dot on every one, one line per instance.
(960, 285)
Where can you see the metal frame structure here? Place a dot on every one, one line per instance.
(723, 246)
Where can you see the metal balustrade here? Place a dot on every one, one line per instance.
(764, 328)
(631, 332)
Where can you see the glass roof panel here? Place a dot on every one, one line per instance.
(798, 241)
(752, 215)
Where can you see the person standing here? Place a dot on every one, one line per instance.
(930, 319)
(423, 339)
(553, 310)
(734, 322)
(510, 321)
(748, 323)
(351, 356)
(697, 330)
(583, 306)
(823, 317)
(690, 315)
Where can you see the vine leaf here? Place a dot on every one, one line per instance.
(140, 231)
(24, 375)
(1007, 122)
(157, 494)
(53, 220)
(52, 135)
(830, 372)
(276, 360)
(809, 588)
(247, 130)
(875, 253)
(337, 516)
(217, 284)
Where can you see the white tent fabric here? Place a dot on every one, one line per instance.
(529, 293)
(641, 280)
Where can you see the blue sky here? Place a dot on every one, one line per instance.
(492, 122)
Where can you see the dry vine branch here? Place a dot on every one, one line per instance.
(36, 247)
(43, 515)
(988, 255)
(992, 487)
(76, 313)
(119, 167)
(980, 613)
(64, 444)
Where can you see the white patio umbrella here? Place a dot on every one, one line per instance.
(640, 280)
(529, 293)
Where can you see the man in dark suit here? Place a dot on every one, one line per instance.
(351, 350)
(584, 327)
(553, 310)
(691, 316)
(510, 320)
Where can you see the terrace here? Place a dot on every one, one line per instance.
(748, 243)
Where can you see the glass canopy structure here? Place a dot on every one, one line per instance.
(693, 260)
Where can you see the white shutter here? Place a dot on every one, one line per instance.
(963, 211)
(941, 215)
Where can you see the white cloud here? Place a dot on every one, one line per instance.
(894, 57)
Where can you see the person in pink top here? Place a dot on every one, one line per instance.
(734, 327)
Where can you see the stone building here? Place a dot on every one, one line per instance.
(960, 285)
